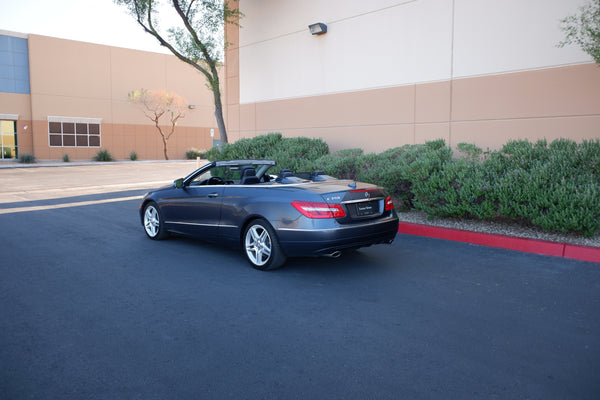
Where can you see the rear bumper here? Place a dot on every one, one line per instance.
(324, 240)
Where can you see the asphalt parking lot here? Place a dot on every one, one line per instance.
(93, 309)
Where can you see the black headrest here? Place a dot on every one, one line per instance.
(250, 180)
(248, 171)
(285, 173)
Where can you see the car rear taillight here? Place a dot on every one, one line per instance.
(389, 204)
(319, 210)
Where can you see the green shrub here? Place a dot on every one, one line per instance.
(470, 151)
(66, 158)
(588, 156)
(103, 155)
(259, 147)
(461, 188)
(133, 156)
(193, 154)
(404, 170)
(27, 159)
(342, 164)
(554, 186)
(297, 154)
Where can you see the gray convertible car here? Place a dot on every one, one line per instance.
(271, 217)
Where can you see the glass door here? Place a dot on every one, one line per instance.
(8, 139)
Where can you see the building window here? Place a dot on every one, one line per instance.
(14, 64)
(74, 132)
(8, 139)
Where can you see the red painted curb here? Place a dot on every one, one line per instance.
(582, 253)
(535, 246)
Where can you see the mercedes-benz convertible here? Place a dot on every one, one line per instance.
(271, 217)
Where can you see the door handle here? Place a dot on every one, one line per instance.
(213, 195)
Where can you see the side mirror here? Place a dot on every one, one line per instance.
(178, 183)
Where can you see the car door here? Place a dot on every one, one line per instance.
(194, 210)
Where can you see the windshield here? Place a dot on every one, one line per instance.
(233, 174)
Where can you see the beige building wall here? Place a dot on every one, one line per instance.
(82, 80)
(390, 73)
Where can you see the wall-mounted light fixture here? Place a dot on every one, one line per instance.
(318, 29)
(191, 106)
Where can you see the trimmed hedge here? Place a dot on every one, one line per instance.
(296, 153)
(553, 186)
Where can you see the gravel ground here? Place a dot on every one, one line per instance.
(509, 228)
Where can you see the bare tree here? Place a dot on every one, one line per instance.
(155, 105)
(197, 41)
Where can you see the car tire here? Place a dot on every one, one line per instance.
(153, 222)
(261, 246)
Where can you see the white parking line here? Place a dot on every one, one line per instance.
(34, 194)
(66, 205)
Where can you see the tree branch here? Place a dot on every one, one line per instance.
(192, 32)
(150, 29)
(187, 14)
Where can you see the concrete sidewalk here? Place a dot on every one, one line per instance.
(25, 182)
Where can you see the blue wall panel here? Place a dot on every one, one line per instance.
(14, 65)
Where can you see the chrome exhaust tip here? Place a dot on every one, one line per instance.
(334, 254)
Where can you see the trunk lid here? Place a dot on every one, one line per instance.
(361, 201)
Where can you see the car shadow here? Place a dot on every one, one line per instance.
(355, 261)
(373, 259)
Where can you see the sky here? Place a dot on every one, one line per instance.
(93, 21)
